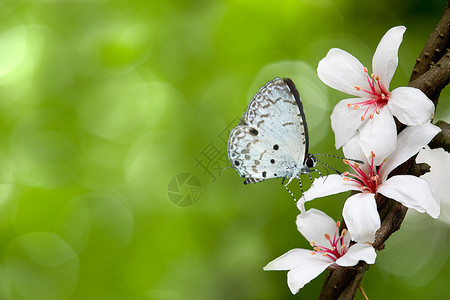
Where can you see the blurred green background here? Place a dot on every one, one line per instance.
(114, 120)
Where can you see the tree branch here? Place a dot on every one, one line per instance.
(442, 139)
(435, 79)
(430, 74)
(432, 51)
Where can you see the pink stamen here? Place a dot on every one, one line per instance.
(379, 96)
(362, 177)
(368, 182)
(337, 249)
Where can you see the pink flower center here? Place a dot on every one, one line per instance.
(337, 247)
(369, 182)
(379, 96)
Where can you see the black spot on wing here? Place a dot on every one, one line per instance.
(252, 180)
(276, 147)
(254, 132)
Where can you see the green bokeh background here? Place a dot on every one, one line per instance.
(103, 102)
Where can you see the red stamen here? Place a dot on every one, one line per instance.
(337, 248)
(368, 182)
(379, 96)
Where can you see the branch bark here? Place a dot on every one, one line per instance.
(442, 139)
(430, 74)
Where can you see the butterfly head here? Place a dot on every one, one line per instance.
(310, 161)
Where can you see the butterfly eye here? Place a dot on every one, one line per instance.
(310, 162)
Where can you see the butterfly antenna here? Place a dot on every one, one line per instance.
(324, 164)
(334, 156)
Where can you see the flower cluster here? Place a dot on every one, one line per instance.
(365, 128)
(304, 265)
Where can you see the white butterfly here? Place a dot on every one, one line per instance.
(271, 140)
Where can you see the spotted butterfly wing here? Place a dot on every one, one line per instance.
(271, 139)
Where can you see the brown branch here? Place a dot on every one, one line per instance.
(442, 139)
(432, 51)
(435, 79)
(346, 276)
(431, 74)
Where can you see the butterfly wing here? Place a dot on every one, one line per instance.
(250, 155)
(272, 135)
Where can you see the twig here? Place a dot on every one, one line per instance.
(362, 291)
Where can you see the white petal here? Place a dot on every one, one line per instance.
(298, 277)
(385, 59)
(411, 106)
(313, 224)
(353, 150)
(412, 192)
(346, 120)
(361, 217)
(291, 259)
(347, 238)
(342, 71)
(329, 185)
(303, 265)
(379, 135)
(409, 142)
(356, 253)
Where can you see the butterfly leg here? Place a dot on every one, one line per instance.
(320, 174)
(289, 191)
(301, 187)
(310, 178)
(285, 185)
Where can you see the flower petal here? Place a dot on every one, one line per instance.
(329, 185)
(410, 140)
(356, 253)
(342, 71)
(379, 135)
(353, 150)
(411, 106)
(385, 59)
(346, 120)
(361, 216)
(412, 192)
(303, 265)
(313, 224)
(298, 277)
(292, 259)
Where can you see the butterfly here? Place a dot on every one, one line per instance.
(271, 140)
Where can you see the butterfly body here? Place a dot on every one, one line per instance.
(271, 140)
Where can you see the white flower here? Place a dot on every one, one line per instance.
(360, 210)
(372, 113)
(331, 249)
